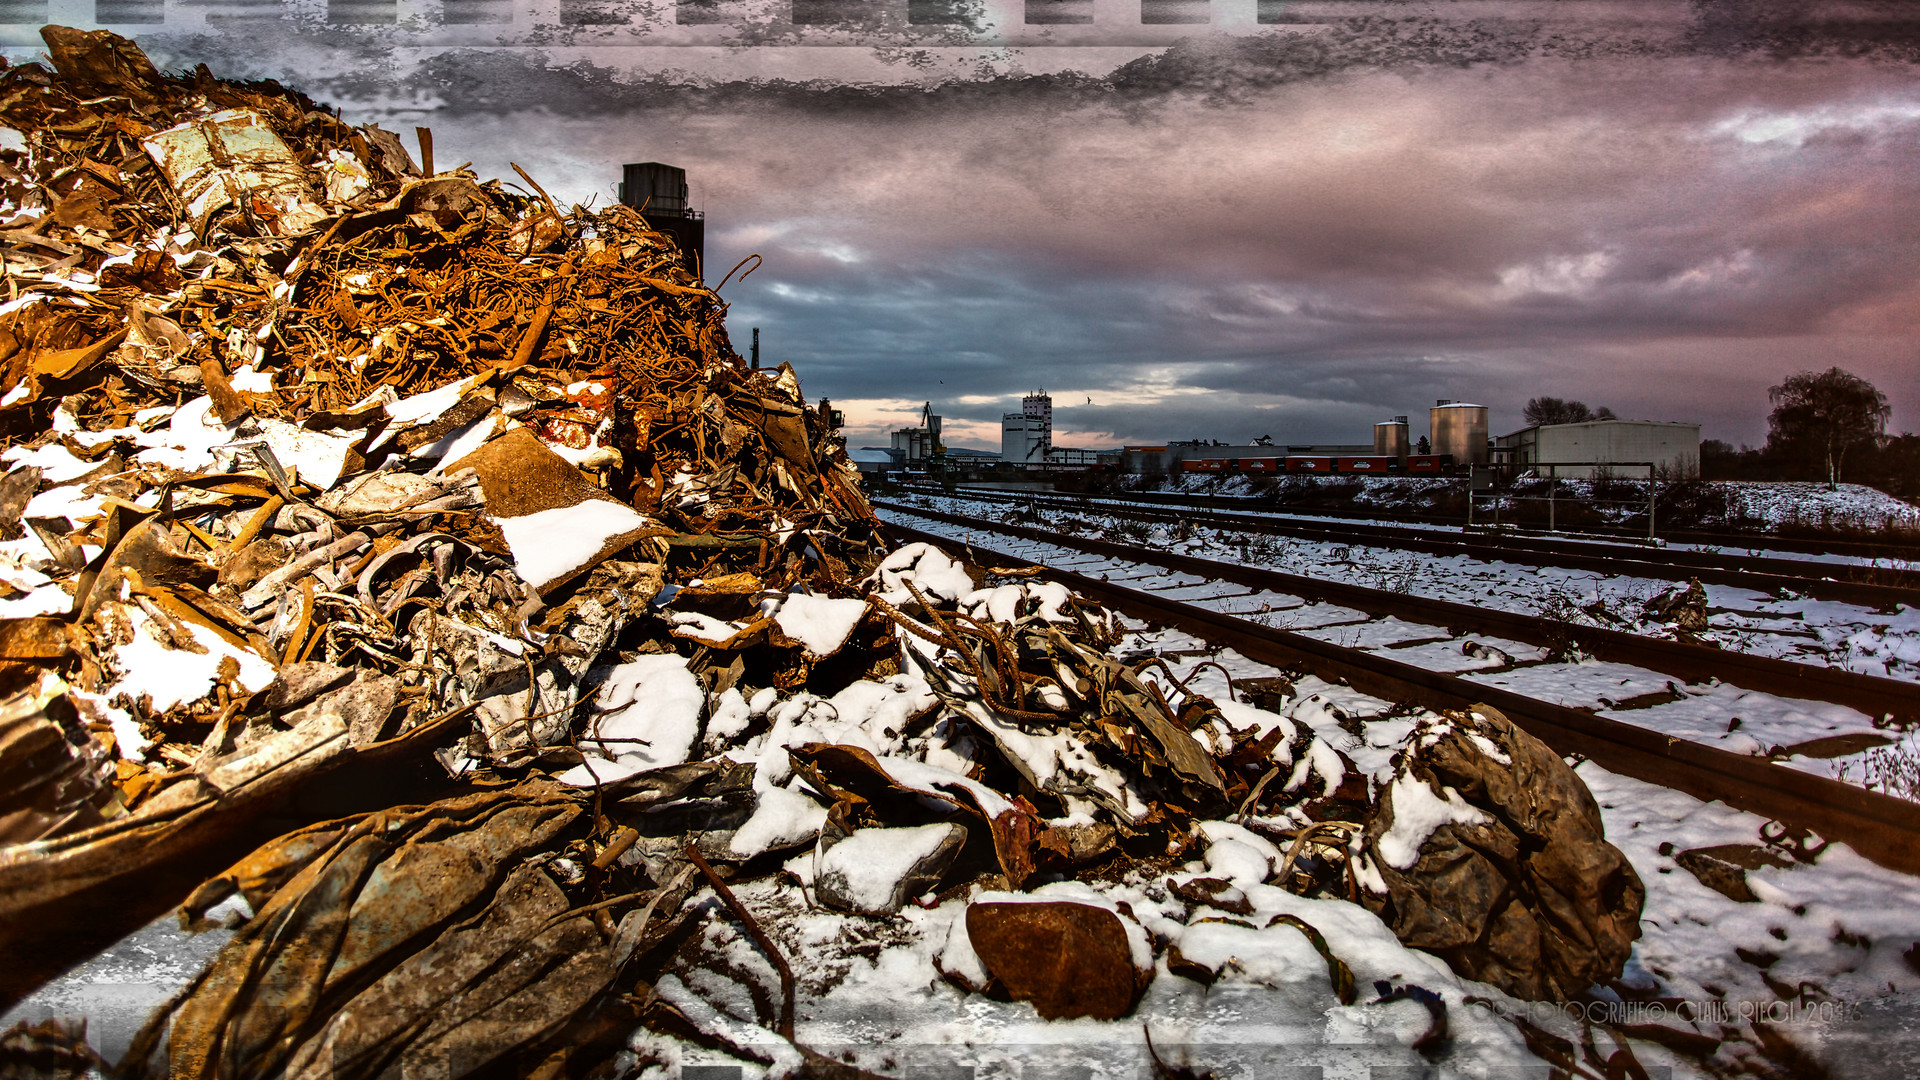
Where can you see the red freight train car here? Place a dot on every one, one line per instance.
(1431, 464)
(1260, 465)
(1204, 465)
(1302, 463)
(1377, 466)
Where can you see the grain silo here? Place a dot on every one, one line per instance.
(1460, 429)
(1390, 438)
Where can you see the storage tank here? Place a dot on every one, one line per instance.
(659, 192)
(660, 189)
(1460, 429)
(1390, 438)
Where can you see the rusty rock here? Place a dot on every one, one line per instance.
(1068, 959)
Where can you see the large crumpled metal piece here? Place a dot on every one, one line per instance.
(52, 777)
(1487, 850)
(427, 935)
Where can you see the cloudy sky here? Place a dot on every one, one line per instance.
(1218, 230)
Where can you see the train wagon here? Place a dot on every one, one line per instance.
(1260, 465)
(1376, 466)
(1204, 465)
(1431, 464)
(1307, 463)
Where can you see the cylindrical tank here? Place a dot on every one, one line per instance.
(656, 188)
(1460, 429)
(1390, 438)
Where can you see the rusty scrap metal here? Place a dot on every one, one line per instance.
(320, 463)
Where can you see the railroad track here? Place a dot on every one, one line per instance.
(1892, 701)
(1266, 507)
(1199, 597)
(1872, 586)
(1762, 618)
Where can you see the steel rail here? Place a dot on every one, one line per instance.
(1879, 827)
(1605, 534)
(1887, 699)
(1739, 571)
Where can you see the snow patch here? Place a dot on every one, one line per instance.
(820, 624)
(781, 818)
(56, 463)
(871, 862)
(551, 544)
(170, 678)
(1417, 812)
(930, 569)
(649, 718)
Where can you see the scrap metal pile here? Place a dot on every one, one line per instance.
(318, 461)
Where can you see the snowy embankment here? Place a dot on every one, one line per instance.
(1817, 737)
(1751, 505)
(1801, 629)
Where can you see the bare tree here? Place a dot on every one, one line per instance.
(1552, 410)
(1820, 416)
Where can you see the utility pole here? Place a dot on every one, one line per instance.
(756, 348)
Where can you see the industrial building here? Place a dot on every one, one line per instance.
(1143, 459)
(1023, 439)
(1674, 448)
(659, 192)
(1459, 434)
(1027, 436)
(1167, 459)
(1458, 441)
(916, 444)
(872, 461)
(1073, 456)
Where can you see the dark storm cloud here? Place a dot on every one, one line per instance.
(366, 63)
(1659, 207)
(1669, 236)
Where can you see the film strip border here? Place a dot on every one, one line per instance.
(642, 19)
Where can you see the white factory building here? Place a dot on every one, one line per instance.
(1026, 437)
(1673, 447)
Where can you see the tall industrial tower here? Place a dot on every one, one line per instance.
(1039, 406)
(1026, 437)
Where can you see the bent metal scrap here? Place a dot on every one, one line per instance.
(421, 552)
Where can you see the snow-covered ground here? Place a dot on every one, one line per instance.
(1815, 971)
(1710, 713)
(1757, 546)
(1797, 628)
(1747, 504)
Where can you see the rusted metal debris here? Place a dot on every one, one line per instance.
(319, 465)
